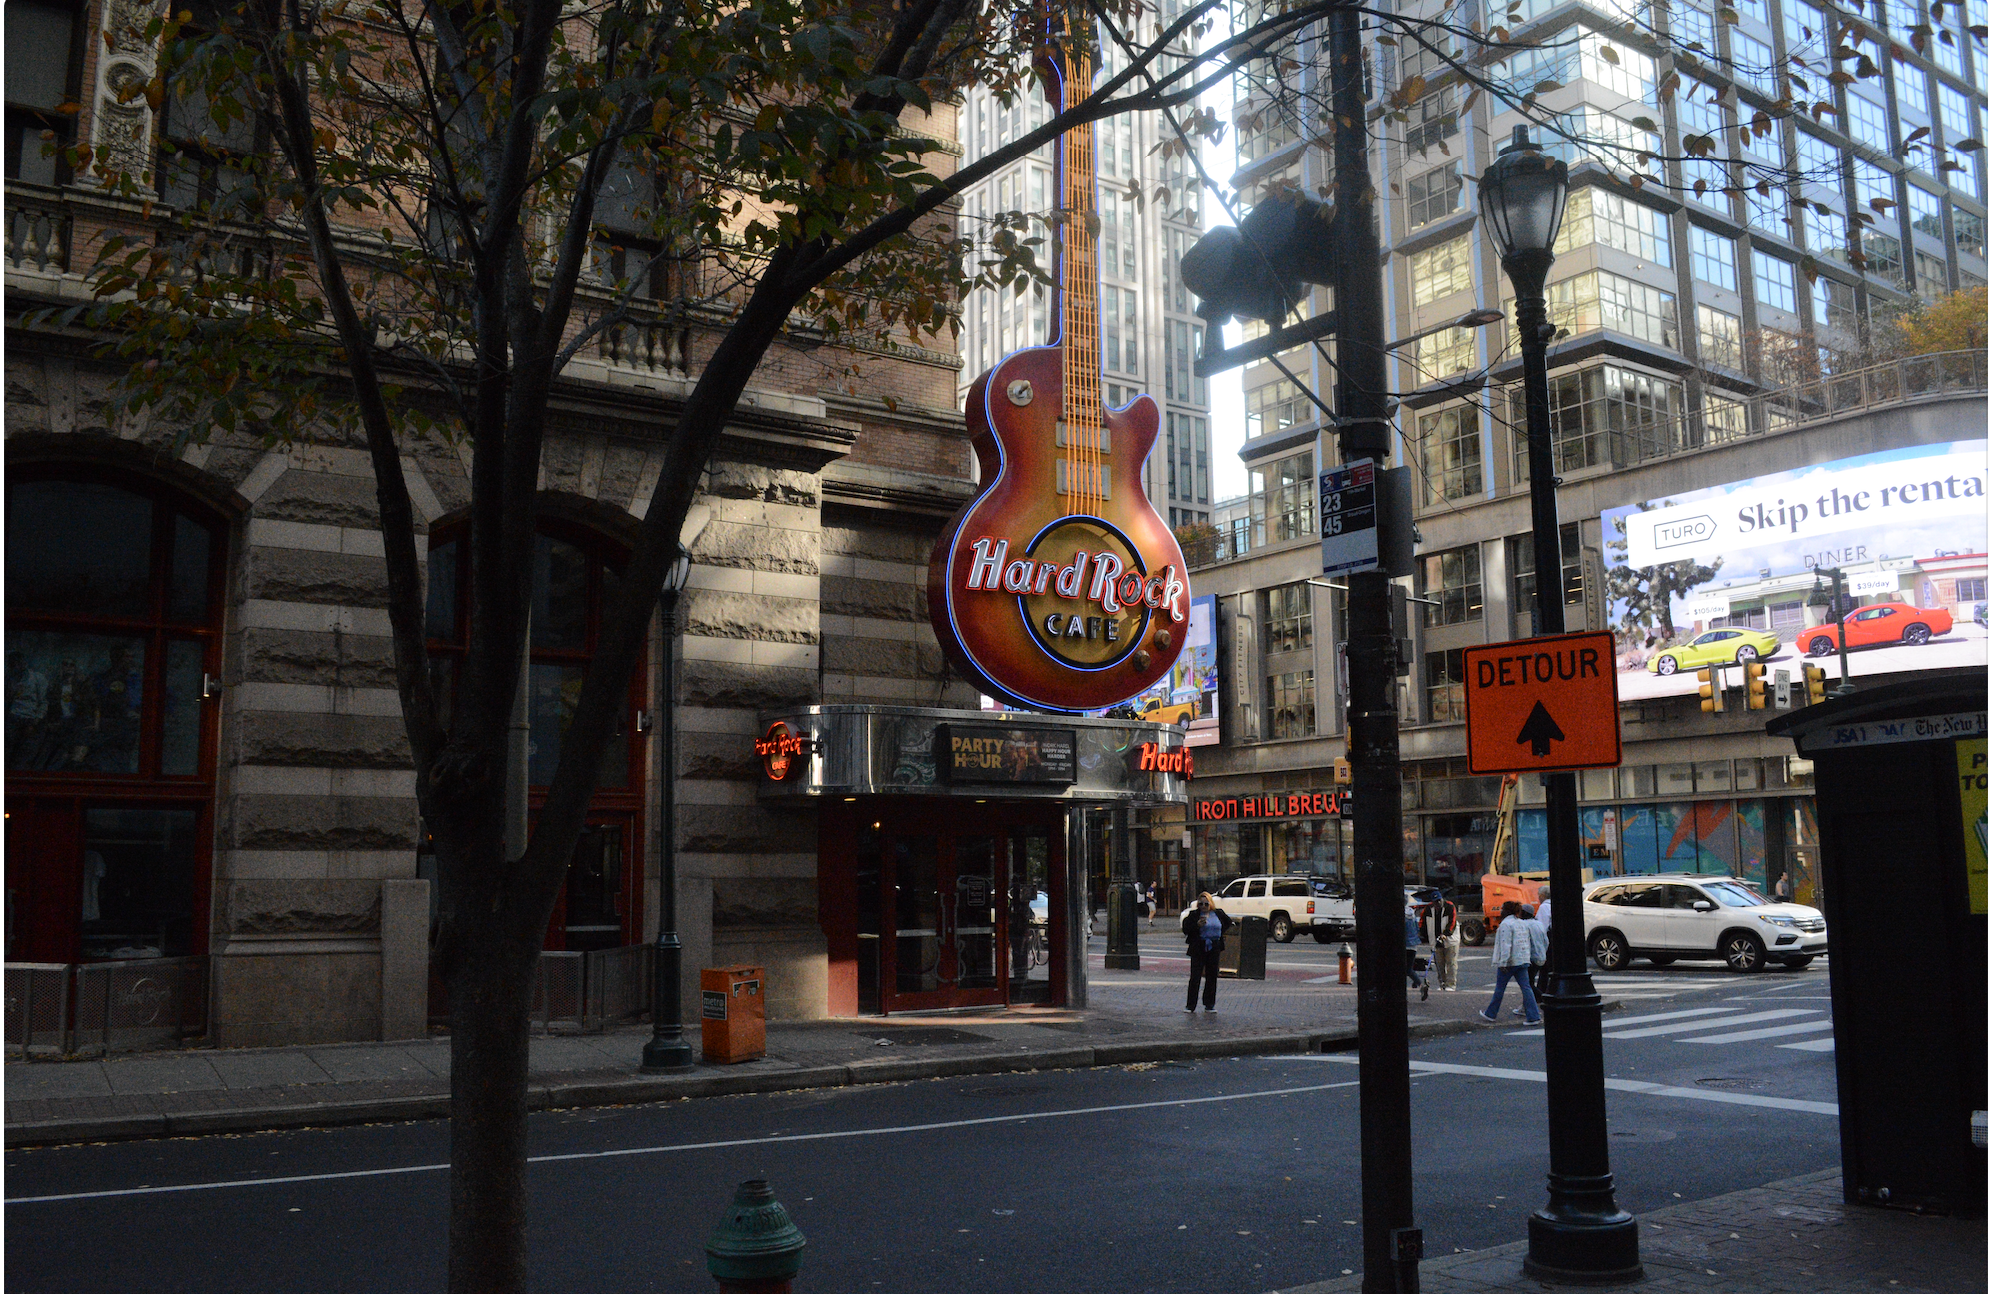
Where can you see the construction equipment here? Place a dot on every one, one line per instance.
(1502, 881)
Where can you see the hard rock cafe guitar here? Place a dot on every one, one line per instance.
(1059, 587)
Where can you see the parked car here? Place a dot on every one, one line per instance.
(1878, 625)
(1716, 647)
(1690, 916)
(1291, 904)
(1180, 709)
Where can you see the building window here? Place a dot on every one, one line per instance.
(1719, 338)
(1273, 407)
(1602, 416)
(1440, 271)
(1434, 194)
(1824, 235)
(1969, 588)
(1875, 184)
(1519, 558)
(1600, 299)
(1288, 618)
(1599, 216)
(1291, 705)
(1836, 303)
(204, 163)
(1443, 686)
(1925, 211)
(1432, 119)
(1452, 453)
(1726, 420)
(1284, 500)
(1774, 283)
(1821, 162)
(1968, 231)
(42, 69)
(1714, 259)
(1446, 354)
(1753, 61)
(1451, 580)
(1911, 85)
(1867, 123)
(1882, 257)
(1930, 273)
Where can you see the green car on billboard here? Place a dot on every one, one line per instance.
(1716, 647)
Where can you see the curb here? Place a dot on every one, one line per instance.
(641, 1089)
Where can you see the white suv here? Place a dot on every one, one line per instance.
(1291, 904)
(1691, 916)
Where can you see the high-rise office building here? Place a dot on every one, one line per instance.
(1149, 213)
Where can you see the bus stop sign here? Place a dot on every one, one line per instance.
(1538, 705)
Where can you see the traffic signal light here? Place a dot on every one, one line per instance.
(1813, 682)
(1757, 685)
(1343, 772)
(1710, 699)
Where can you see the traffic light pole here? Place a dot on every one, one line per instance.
(1580, 1233)
(1391, 1246)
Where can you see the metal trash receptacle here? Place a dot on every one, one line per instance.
(735, 1013)
(1243, 951)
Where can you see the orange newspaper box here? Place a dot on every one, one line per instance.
(735, 1013)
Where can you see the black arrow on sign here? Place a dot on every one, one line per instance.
(1541, 730)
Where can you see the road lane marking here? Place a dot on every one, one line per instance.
(1613, 1084)
(1775, 1031)
(695, 1145)
(1814, 1044)
(1721, 1023)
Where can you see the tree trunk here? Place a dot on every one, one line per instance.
(489, 1063)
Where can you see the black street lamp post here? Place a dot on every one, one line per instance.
(666, 1048)
(1580, 1234)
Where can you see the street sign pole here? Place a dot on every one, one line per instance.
(1581, 1230)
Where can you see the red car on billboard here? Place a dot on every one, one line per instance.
(1878, 625)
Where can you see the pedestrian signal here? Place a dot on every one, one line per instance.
(1757, 685)
(1813, 682)
(1343, 772)
(1710, 700)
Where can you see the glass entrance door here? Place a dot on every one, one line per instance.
(596, 908)
(944, 920)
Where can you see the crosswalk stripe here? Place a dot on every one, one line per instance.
(1686, 1026)
(1777, 1031)
(1615, 1021)
(1814, 1044)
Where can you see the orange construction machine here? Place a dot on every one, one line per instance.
(1500, 883)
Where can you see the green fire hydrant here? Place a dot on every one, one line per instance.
(756, 1248)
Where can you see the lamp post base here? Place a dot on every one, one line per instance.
(1584, 1250)
(660, 1054)
(666, 1048)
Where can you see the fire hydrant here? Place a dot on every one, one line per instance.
(1346, 965)
(756, 1248)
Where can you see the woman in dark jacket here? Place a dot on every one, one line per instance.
(1204, 926)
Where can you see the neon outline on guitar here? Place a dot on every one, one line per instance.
(1050, 525)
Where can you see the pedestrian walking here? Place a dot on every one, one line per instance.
(1512, 955)
(1544, 914)
(1782, 888)
(1537, 958)
(1412, 936)
(1204, 926)
(1439, 922)
(1146, 898)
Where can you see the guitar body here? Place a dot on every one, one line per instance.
(1029, 583)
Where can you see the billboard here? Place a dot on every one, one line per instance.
(1729, 572)
(1189, 695)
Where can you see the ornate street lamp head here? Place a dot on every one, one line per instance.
(1522, 196)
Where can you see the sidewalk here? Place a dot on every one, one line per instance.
(1134, 1017)
(1796, 1236)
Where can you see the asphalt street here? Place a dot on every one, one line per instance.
(1234, 1174)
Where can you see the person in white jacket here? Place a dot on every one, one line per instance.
(1512, 955)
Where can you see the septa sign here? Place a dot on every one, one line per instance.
(1542, 704)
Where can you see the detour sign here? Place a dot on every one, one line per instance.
(1537, 705)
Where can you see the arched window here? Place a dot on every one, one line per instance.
(575, 574)
(113, 646)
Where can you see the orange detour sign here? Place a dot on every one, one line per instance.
(1536, 705)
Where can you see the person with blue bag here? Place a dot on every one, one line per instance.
(1204, 926)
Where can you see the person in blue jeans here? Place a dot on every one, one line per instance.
(1512, 954)
(1412, 935)
(1204, 926)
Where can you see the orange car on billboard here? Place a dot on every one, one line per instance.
(1878, 625)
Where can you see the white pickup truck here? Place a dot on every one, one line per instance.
(1319, 904)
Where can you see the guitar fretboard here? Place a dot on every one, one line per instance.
(1086, 478)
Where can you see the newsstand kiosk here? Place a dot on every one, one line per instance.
(1900, 775)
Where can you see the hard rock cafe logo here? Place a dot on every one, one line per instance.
(781, 747)
(1085, 593)
(1155, 758)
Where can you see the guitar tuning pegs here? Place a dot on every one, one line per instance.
(1163, 639)
(1142, 659)
(1020, 393)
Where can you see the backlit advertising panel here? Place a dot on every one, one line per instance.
(1190, 696)
(1729, 574)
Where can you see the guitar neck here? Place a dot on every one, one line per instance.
(1086, 473)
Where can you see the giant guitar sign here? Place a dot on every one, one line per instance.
(1059, 587)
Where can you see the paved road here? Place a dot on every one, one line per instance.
(1232, 1174)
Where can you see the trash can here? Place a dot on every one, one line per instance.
(735, 1013)
(1243, 951)
(1901, 770)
